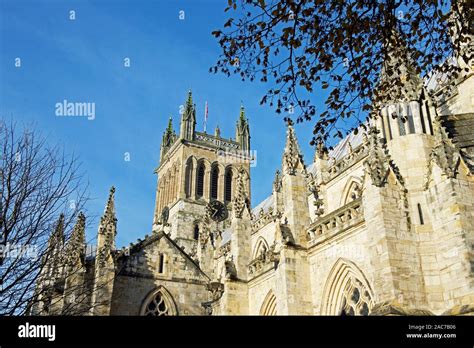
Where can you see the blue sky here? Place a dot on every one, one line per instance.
(83, 61)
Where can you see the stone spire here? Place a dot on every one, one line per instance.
(56, 240)
(188, 119)
(399, 66)
(75, 248)
(242, 131)
(107, 231)
(292, 157)
(104, 261)
(217, 132)
(55, 249)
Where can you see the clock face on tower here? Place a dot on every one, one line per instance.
(217, 211)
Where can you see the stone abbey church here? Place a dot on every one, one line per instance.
(383, 224)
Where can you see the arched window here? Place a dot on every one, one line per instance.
(159, 302)
(200, 181)
(228, 186)
(347, 291)
(196, 232)
(214, 182)
(356, 299)
(188, 178)
(269, 305)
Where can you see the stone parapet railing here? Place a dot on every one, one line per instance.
(216, 141)
(347, 161)
(347, 216)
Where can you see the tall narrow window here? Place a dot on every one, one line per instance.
(228, 186)
(214, 182)
(200, 181)
(422, 119)
(196, 232)
(420, 214)
(411, 124)
(161, 263)
(188, 178)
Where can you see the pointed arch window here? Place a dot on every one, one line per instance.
(200, 181)
(214, 182)
(269, 305)
(188, 178)
(228, 186)
(159, 303)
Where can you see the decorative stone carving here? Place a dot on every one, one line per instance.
(277, 184)
(241, 200)
(444, 153)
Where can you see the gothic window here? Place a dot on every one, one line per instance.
(356, 300)
(196, 232)
(159, 303)
(200, 181)
(411, 124)
(188, 178)
(214, 182)
(269, 305)
(347, 291)
(228, 186)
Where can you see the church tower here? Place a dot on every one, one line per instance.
(197, 179)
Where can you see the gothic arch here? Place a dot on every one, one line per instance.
(188, 176)
(214, 181)
(347, 291)
(352, 184)
(260, 246)
(200, 178)
(159, 302)
(269, 304)
(229, 176)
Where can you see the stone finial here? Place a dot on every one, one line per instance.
(277, 183)
(321, 152)
(217, 132)
(292, 157)
(75, 248)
